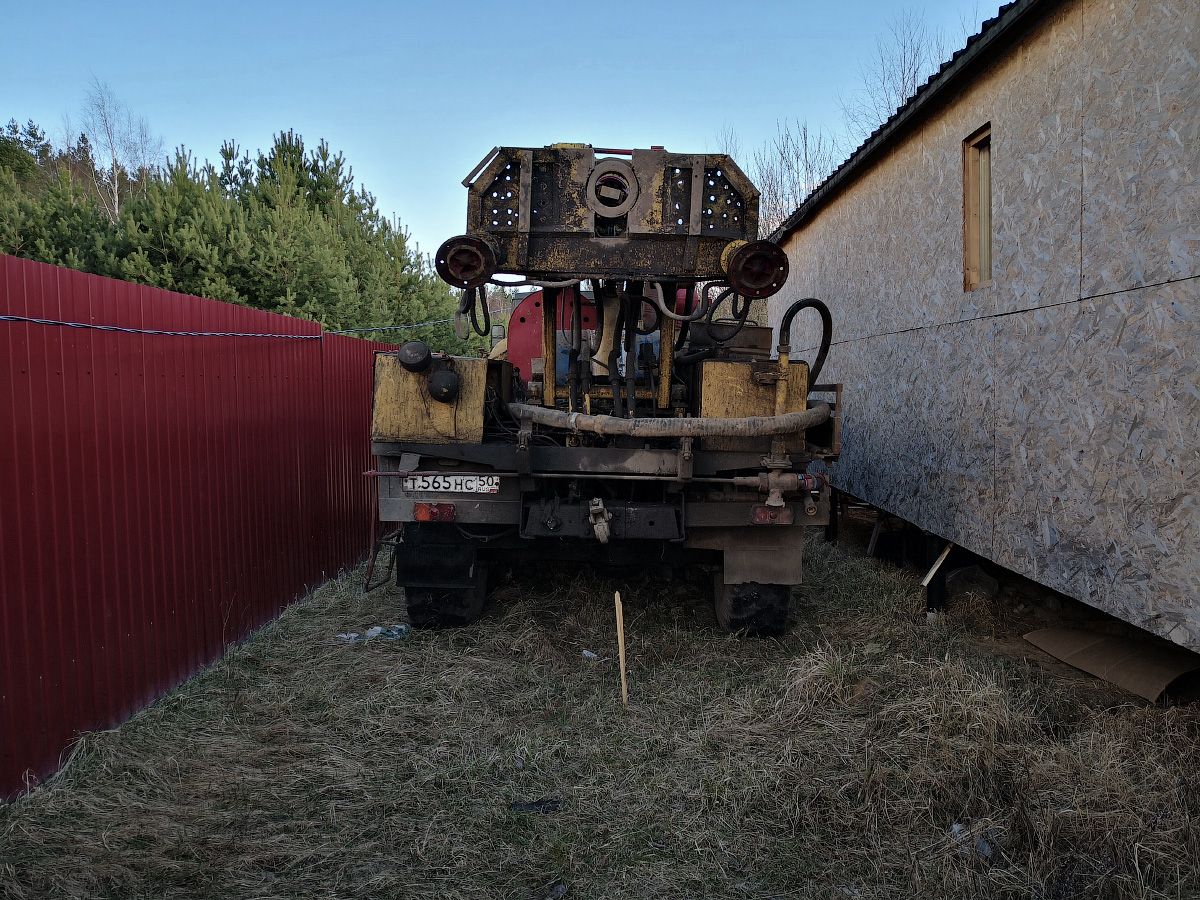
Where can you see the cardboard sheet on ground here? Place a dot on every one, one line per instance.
(1144, 667)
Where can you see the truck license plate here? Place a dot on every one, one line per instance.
(454, 484)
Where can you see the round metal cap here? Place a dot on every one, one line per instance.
(758, 269)
(415, 356)
(444, 385)
(465, 261)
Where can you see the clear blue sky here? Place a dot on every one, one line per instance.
(415, 93)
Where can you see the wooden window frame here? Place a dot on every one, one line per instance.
(977, 209)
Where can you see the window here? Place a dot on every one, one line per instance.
(977, 209)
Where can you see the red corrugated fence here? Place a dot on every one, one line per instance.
(160, 496)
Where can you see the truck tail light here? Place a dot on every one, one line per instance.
(433, 512)
(772, 515)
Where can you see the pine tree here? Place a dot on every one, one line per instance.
(287, 230)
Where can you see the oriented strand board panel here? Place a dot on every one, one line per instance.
(1048, 421)
(1141, 144)
(404, 411)
(1097, 471)
(920, 447)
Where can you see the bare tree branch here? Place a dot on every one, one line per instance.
(789, 166)
(787, 169)
(728, 142)
(124, 149)
(904, 59)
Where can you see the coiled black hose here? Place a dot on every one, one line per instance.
(785, 332)
(470, 302)
(740, 314)
(694, 356)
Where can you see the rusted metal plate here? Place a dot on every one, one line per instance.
(564, 210)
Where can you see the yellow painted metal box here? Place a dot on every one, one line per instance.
(404, 411)
(732, 390)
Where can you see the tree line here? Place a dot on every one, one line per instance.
(285, 229)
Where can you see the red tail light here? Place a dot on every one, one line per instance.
(433, 512)
(772, 515)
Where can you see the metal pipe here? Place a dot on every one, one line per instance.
(750, 426)
(781, 384)
(586, 476)
(607, 314)
(666, 363)
(801, 482)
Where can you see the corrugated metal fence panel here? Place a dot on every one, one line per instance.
(160, 496)
(348, 389)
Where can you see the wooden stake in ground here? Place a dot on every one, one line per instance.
(621, 645)
(936, 565)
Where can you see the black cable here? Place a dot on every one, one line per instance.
(33, 320)
(741, 315)
(685, 325)
(481, 301)
(644, 330)
(598, 301)
(785, 332)
(576, 346)
(694, 356)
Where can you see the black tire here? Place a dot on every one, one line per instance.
(758, 610)
(447, 607)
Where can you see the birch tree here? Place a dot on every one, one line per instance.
(124, 150)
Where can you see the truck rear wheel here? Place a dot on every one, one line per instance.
(760, 610)
(447, 607)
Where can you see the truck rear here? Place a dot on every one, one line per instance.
(637, 414)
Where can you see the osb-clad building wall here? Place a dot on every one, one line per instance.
(1045, 414)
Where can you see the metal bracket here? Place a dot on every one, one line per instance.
(685, 460)
(523, 459)
(393, 540)
(600, 518)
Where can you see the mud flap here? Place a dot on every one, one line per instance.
(429, 558)
(767, 555)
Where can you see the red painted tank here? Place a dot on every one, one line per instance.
(525, 324)
(525, 327)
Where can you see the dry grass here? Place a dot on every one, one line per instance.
(832, 763)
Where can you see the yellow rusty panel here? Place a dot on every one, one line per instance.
(728, 391)
(404, 411)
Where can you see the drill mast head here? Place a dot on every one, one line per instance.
(569, 212)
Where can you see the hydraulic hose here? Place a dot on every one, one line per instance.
(614, 354)
(662, 306)
(751, 426)
(694, 356)
(633, 304)
(740, 316)
(785, 333)
(573, 374)
(682, 335)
